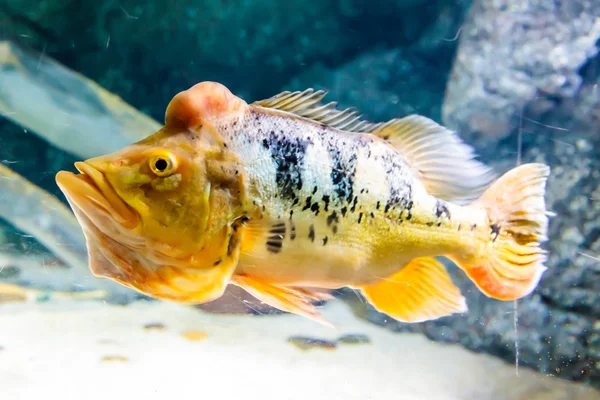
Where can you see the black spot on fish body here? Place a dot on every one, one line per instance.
(308, 203)
(343, 211)
(441, 209)
(459, 226)
(336, 177)
(293, 232)
(354, 204)
(314, 190)
(315, 208)
(400, 190)
(274, 245)
(360, 217)
(278, 229)
(343, 169)
(473, 227)
(333, 217)
(495, 231)
(326, 200)
(288, 154)
(275, 241)
(325, 240)
(311, 233)
(217, 262)
(378, 205)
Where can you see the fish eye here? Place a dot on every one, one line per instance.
(162, 165)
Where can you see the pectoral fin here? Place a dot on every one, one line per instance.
(294, 300)
(420, 291)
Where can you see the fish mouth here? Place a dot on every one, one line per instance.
(92, 194)
(103, 216)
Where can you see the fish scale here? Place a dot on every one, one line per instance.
(307, 162)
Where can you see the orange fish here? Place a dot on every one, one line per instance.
(289, 195)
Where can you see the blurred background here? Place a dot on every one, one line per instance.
(517, 79)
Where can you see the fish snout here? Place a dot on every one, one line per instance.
(90, 190)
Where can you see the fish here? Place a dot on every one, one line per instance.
(292, 197)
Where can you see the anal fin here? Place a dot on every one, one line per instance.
(295, 300)
(421, 291)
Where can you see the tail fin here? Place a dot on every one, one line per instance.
(511, 264)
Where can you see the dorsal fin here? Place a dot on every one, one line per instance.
(308, 104)
(443, 162)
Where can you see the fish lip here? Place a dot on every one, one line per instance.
(90, 188)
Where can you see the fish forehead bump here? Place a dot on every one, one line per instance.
(203, 102)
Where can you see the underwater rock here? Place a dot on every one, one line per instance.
(583, 110)
(353, 339)
(157, 326)
(519, 56)
(306, 343)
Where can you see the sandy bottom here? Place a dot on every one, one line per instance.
(89, 350)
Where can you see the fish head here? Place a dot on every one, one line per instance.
(160, 215)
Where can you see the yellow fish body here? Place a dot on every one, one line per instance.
(288, 195)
